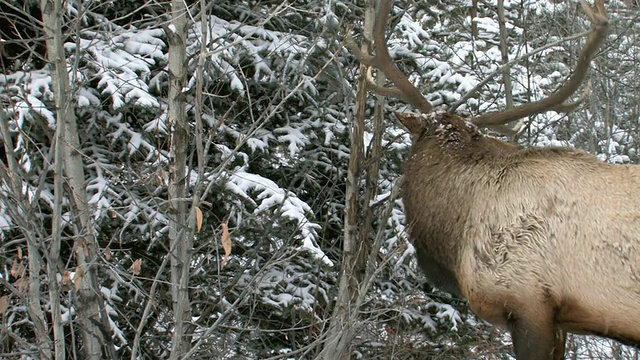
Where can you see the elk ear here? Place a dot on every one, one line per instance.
(413, 122)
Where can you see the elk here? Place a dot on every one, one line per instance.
(540, 241)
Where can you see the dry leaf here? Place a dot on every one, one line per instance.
(107, 253)
(19, 253)
(14, 268)
(79, 247)
(78, 276)
(4, 303)
(199, 218)
(77, 281)
(65, 283)
(226, 244)
(79, 272)
(21, 270)
(17, 270)
(21, 284)
(135, 268)
(66, 277)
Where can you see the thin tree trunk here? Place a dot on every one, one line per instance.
(343, 321)
(180, 237)
(34, 306)
(372, 168)
(504, 52)
(473, 13)
(510, 131)
(56, 240)
(341, 328)
(88, 297)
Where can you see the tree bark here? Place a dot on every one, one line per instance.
(34, 305)
(56, 240)
(87, 296)
(504, 52)
(343, 321)
(473, 13)
(180, 237)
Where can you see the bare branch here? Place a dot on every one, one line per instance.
(500, 69)
(566, 107)
(383, 90)
(404, 90)
(600, 23)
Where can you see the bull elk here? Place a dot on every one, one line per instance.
(540, 241)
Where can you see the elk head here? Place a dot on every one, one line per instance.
(538, 240)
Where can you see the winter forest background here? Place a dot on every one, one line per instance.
(220, 185)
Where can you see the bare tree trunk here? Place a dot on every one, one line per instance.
(341, 328)
(34, 305)
(56, 240)
(504, 51)
(343, 322)
(88, 299)
(473, 13)
(506, 71)
(180, 237)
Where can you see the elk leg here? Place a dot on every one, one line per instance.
(559, 347)
(534, 336)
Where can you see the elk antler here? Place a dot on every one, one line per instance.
(409, 93)
(556, 101)
(404, 90)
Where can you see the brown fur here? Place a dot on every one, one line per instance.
(540, 241)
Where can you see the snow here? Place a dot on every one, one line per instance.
(294, 136)
(157, 125)
(34, 104)
(98, 200)
(488, 27)
(5, 220)
(86, 97)
(122, 62)
(413, 31)
(135, 139)
(233, 38)
(271, 196)
(448, 312)
(128, 65)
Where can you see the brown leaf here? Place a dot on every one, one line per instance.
(107, 253)
(21, 284)
(77, 281)
(19, 253)
(14, 268)
(17, 270)
(226, 244)
(79, 272)
(78, 276)
(4, 303)
(135, 268)
(66, 277)
(199, 218)
(79, 247)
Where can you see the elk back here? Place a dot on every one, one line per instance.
(542, 232)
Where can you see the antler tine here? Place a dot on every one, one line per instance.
(599, 20)
(567, 106)
(512, 129)
(404, 90)
(383, 90)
